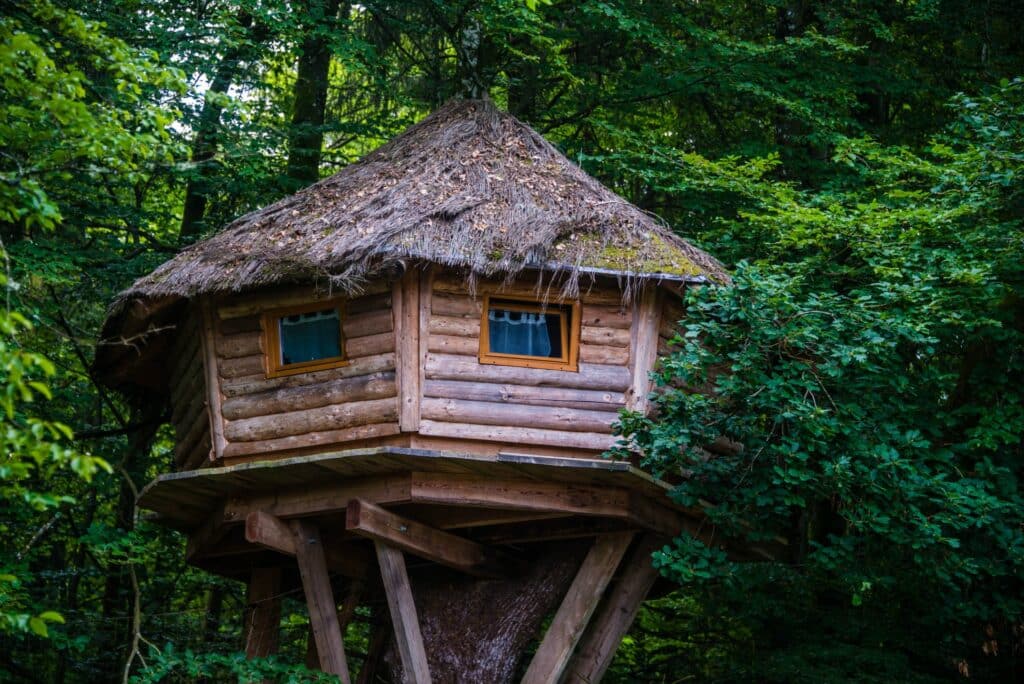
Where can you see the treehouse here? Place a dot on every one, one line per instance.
(394, 389)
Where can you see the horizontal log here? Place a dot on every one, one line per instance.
(611, 337)
(199, 455)
(185, 356)
(312, 440)
(542, 417)
(603, 316)
(373, 522)
(254, 303)
(243, 365)
(369, 345)
(364, 365)
(455, 305)
(189, 389)
(191, 411)
(456, 326)
(368, 323)
(528, 288)
(594, 400)
(242, 344)
(237, 326)
(615, 356)
(333, 417)
(369, 303)
(589, 376)
(450, 344)
(199, 426)
(518, 435)
(286, 399)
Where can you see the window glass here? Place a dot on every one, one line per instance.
(310, 336)
(526, 333)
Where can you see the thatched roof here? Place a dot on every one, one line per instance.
(469, 186)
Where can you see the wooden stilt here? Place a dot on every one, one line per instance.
(615, 615)
(403, 614)
(323, 612)
(578, 605)
(262, 612)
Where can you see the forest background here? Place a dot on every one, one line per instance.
(857, 165)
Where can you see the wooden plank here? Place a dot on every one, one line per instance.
(550, 530)
(369, 345)
(286, 399)
(311, 440)
(511, 434)
(251, 384)
(323, 611)
(373, 522)
(645, 347)
(407, 349)
(214, 398)
(332, 417)
(456, 305)
(262, 622)
(579, 604)
(322, 499)
(536, 417)
(270, 532)
(455, 326)
(592, 400)
(253, 303)
(243, 344)
(590, 376)
(615, 615)
(403, 614)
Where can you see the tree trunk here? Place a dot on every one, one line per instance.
(477, 630)
(305, 140)
(204, 146)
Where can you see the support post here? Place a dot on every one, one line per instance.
(262, 612)
(323, 611)
(615, 615)
(578, 605)
(403, 614)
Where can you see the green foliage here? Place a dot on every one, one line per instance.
(870, 366)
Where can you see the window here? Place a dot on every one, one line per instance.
(518, 332)
(304, 338)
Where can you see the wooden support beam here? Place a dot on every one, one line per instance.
(406, 299)
(262, 612)
(550, 530)
(615, 615)
(321, 500)
(373, 522)
(345, 614)
(547, 497)
(644, 335)
(578, 605)
(403, 614)
(213, 393)
(272, 533)
(323, 612)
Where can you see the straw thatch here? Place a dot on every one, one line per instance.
(469, 186)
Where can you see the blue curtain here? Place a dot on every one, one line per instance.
(525, 333)
(310, 336)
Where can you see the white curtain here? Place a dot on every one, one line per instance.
(519, 332)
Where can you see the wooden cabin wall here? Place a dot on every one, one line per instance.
(465, 399)
(266, 415)
(189, 414)
(672, 312)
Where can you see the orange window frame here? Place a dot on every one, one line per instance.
(271, 325)
(569, 317)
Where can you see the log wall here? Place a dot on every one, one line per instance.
(354, 402)
(189, 414)
(464, 399)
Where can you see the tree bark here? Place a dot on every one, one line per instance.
(306, 137)
(204, 146)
